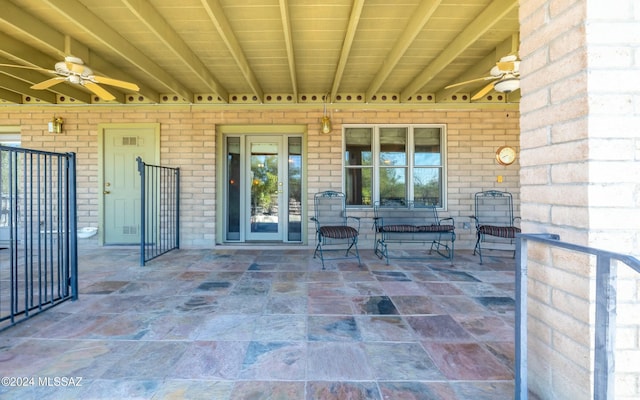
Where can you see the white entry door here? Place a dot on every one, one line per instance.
(121, 180)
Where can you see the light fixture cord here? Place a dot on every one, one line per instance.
(326, 98)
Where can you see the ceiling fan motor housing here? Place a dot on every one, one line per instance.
(61, 68)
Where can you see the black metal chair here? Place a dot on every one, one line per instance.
(335, 231)
(495, 224)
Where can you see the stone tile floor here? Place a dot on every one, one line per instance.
(270, 324)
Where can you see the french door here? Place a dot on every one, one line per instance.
(263, 188)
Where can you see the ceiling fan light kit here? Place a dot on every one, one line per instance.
(507, 85)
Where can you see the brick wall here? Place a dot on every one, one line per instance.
(473, 137)
(188, 140)
(579, 178)
(613, 40)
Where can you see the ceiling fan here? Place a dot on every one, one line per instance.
(505, 76)
(74, 71)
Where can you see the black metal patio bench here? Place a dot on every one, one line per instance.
(412, 223)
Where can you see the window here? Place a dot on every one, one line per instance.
(10, 137)
(394, 165)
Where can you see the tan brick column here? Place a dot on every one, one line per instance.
(580, 178)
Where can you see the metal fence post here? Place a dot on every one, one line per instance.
(143, 220)
(177, 172)
(604, 378)
(521, 392)
(73, 226)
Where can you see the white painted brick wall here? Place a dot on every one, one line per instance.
(580, 178)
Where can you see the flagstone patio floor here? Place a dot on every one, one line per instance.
(270, 324)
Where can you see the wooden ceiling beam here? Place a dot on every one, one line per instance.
(288, 42)
(420, 17)
(490, 16)
(510, 45)
(220, 21)
(83, 18)
(352, 27)
(149, 16)
(31, 26)
(18, 86)
(479, 70)
(16, 52)
(10, 96)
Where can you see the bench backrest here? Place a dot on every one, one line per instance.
(414, 213)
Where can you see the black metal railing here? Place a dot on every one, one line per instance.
(605, 311)
(160, 210)
(38, 232)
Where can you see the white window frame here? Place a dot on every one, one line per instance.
(410, 159)
(10, 136)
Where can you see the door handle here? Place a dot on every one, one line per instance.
(106, 192)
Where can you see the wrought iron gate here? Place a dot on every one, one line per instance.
(38, 232)
(160, 210)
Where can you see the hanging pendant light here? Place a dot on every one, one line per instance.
(325, 123)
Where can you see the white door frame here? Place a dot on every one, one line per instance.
(244, 131)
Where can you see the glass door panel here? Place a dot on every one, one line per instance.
(266, 188)
(234, 183)
(294, 186)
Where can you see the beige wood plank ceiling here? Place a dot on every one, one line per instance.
(258, 51)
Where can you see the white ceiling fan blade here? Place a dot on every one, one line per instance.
(486, 78)
(115, 82)
(483, 91)
(98, 90)
(48, 83)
